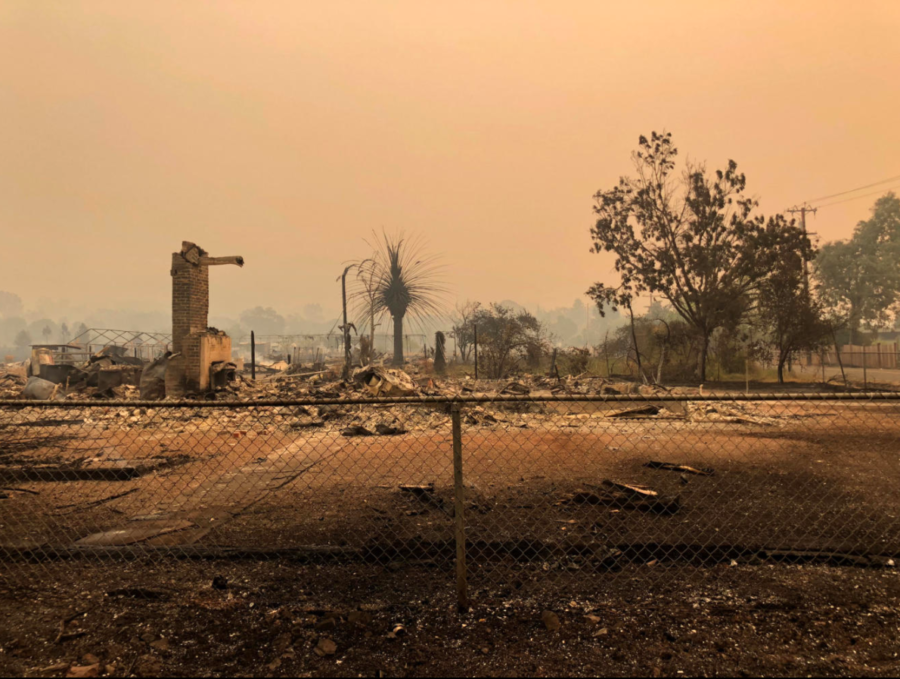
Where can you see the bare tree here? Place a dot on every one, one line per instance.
(505, 338)
(463, 331)
(365, 295)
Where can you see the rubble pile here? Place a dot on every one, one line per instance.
(322, 381)
(11, 385)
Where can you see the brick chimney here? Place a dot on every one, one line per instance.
(190, 311)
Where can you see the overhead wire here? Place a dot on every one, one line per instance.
(865, 195)
(859, 188)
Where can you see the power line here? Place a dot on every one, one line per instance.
(859, 188)
(865, 195)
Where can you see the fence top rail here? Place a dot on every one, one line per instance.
(461, 399)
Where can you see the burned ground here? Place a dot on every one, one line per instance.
(270, 617)
(786, 475)
(761, 511)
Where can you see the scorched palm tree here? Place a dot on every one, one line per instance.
(406, 284)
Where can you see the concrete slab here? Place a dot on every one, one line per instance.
(191, 516)
(90, 470)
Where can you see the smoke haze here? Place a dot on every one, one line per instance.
(285, 132)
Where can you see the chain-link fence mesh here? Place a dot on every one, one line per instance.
(562, 487)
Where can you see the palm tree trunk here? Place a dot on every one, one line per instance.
(398, 340)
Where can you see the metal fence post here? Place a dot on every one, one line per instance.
(747, 373)
(475, 344)
(252, 355)
(865, 370)
(462, 587)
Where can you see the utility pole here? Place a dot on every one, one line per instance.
(345, 373)
(803, 209)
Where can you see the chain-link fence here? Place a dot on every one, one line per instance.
(566, 487)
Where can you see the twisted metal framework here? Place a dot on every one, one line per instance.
(146, 345)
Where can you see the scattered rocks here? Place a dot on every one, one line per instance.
(551, 621)
(82, 671)
(161, 645)
(149, 666)
(325, 647)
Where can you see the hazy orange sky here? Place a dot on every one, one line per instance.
(287, 131)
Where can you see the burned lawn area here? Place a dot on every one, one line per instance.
(283, 619)
(559, 474)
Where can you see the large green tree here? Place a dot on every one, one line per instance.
(693, 238)
(860, 277)
(790, 316)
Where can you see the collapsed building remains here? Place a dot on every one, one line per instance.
(313, 348)
(199, 359)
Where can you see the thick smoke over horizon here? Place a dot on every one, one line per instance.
(577, 324)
